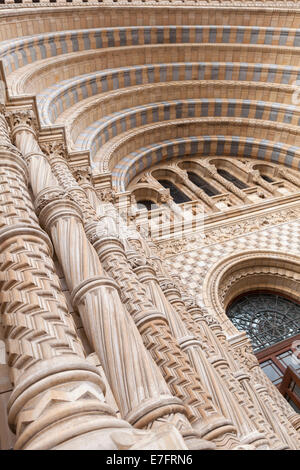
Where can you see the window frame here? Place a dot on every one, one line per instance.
(273, 351)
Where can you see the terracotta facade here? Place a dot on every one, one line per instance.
(149, 176)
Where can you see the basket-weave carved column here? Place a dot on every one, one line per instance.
(161, 292)
(155, 331)
(57, 401)
(139, 389)
(192, 437)
(256, 409)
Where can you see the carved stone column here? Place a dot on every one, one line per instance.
(152, 323)
(257, 403)
(157, 337)
(194, 341)
(242, 431)
(175, 211)
(199, 193)
(213, 173)
(256, 178)
(215, 346)
(138, 387)
(57, 401)
(225, 434)
(200, 358)
(284, 173)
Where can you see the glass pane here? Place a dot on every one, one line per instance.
(286, 359)
(272, 371)
(267, 318)
(233, 179)
(201, 183)
(177, 195)
(146, 203)
(295, 388)
(267, 178)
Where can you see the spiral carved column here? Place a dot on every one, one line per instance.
(246, 414)
(151, 323)
(137, 385)
(57, 401)
(235, 374)
(140, 392)
(224, 431)
(76, 193)
(213, 173)
(241, 432)
(257, 403)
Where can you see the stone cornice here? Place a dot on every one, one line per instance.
(93, 4)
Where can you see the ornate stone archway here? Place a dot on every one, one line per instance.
(248, 271)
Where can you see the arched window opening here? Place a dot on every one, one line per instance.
(202, 184)
(272, 323)
(233, 179)
(146, 203)
(267, 318)
(177, 195)
(267, 178)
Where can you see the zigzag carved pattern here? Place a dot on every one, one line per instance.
(59, 396)
(175, 368)
(159, 341)
(35, 315)
(133, 293)
(15, 203)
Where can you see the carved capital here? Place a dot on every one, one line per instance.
(49, 195)
(82, 175)
(282, 172)
(167, 285)
(136, 260)
(22, 120)
(190, 302)
(211, 321)
(164, 197)
(106, 195)
(211, 169)
(244, 354)
(54, 149)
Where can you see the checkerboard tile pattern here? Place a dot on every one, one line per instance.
(192, 266)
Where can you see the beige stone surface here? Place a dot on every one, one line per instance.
(113, 326)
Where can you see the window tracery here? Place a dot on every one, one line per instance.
(267, 318)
